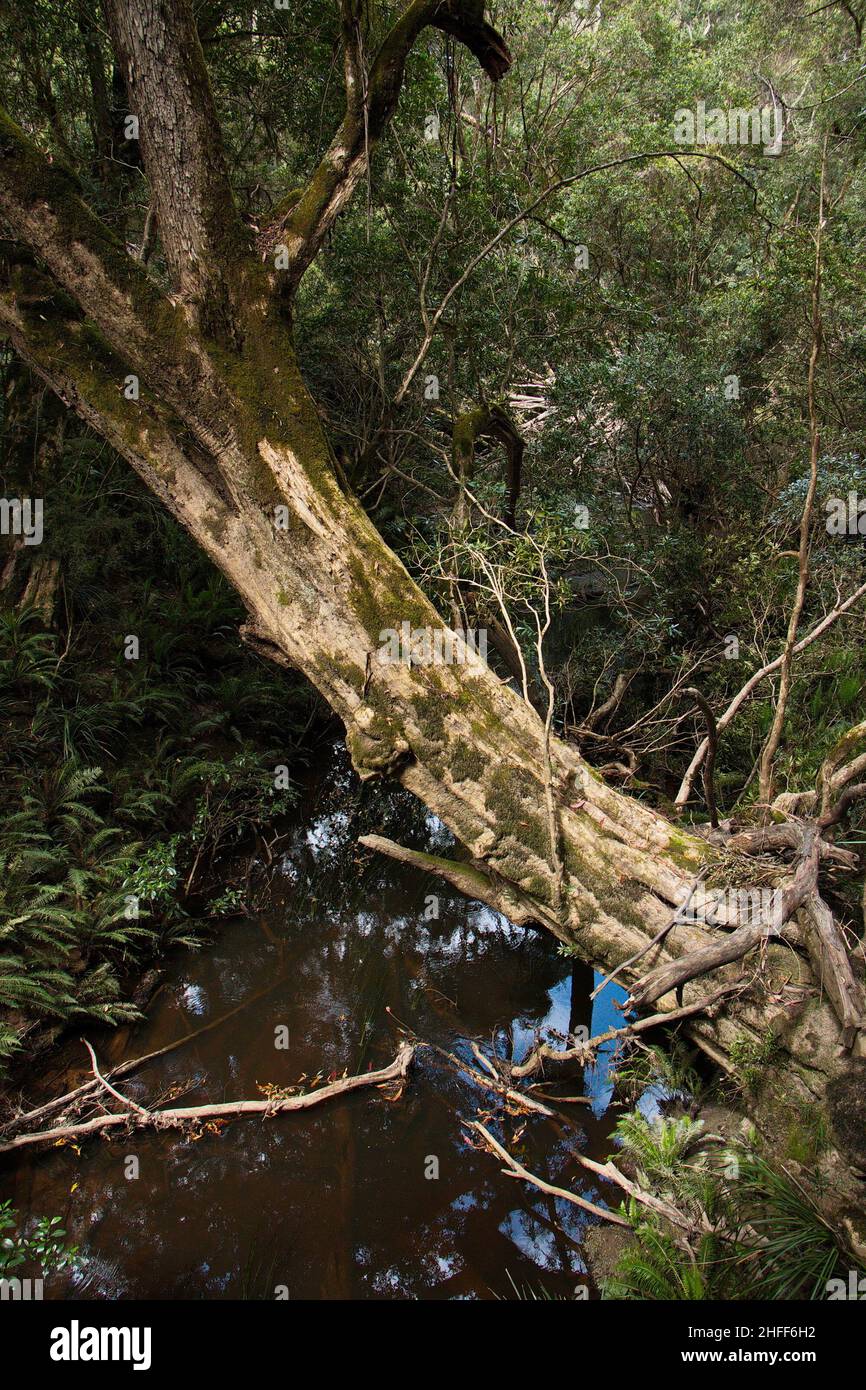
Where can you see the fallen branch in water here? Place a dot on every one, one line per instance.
(683, 1228)
(678, 1219)
(124, 1100)
(159, 1119)
(681, 1225)
(491, 1082)
(517, 1170)
(89, 1088)
(582, 1052)
(503, 1087)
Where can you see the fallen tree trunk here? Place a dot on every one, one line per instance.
(225, 432)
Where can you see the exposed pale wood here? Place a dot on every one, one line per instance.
(655, 941)
(488, 1081)
(112, 1091)
(517, 1170)
(582, 1052)
(81, 1093)
(228, 1110)
(832, 966)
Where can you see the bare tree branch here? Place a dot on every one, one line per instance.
(755, 679)
(396, 1071)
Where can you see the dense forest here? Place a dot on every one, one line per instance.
(433, 479)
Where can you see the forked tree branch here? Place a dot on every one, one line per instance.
(395, 1072)
(300, 223)
(41, 200)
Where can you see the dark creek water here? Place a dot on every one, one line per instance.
(335, 1203)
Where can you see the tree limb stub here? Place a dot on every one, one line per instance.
(471, 879)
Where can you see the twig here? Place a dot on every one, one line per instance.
(659, 936)
(488, 1083)
(124, 1100)
(712, 747)
(755, 679)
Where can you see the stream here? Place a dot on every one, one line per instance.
(342, 1201)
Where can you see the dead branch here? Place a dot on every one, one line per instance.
(490, 1082)
(843, 805)
(584, 1051)
(81, 1093)
(712, 748)
(610, 705)
(396, 1071)
(609, 1172)
(517, 1170)
(655, 941)
(124, 1100)
(704, 959)
(754, 680)
(769, 839)
(832, 967)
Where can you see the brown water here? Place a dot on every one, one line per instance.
(336, 1203)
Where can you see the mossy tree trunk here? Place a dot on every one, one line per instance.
(226, 433)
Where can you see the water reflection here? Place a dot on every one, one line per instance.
(340, 1202)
